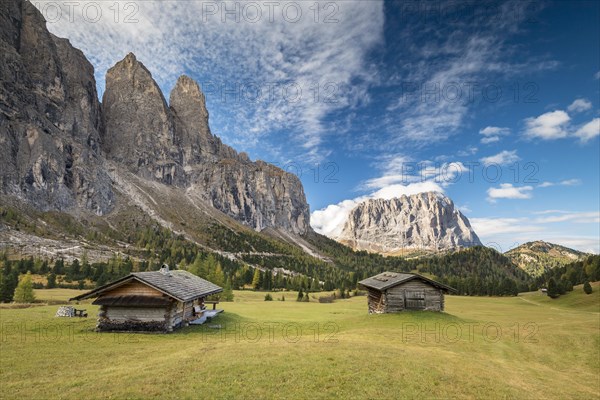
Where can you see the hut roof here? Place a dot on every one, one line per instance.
(178, 284)
(386, 280)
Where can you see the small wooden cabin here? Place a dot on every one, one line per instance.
(391, 292)
(156, 301)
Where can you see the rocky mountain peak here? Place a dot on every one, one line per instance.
(425, 221)
(138, 127)
(191, 117)
(187, 89)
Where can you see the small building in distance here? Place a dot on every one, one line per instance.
(391, 292)
(155, 301)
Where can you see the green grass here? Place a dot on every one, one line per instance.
(547, 349)
(55, 295)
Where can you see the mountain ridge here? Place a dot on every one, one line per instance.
(65, 150)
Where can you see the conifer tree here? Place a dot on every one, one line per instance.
(552, 290)
(257, 279)
(51, 281)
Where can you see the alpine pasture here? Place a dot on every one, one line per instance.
(525, 347)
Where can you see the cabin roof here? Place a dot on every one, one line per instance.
(386, 280)
(180, 285)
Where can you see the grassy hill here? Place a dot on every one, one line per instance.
(537, 257)
(576, 300)
(481, 347)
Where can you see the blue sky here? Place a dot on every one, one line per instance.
(496, 104)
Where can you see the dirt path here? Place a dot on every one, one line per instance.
(558, 308)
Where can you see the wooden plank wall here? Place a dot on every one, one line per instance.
(180, 312)
(375, 300)
(133, 289)
(143, 314)
(395, 296)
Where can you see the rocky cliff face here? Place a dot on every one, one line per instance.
(49, 117)
(425, 221)
(56, 137)
(138, 126)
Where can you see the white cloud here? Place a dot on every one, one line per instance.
(505, 157)
(465, 209)
(494, 131)
(579, 105)
(408, 172)
(589, 130)
(468, 151)
(492, 134)
(587, 244)
(508, 191)
(566, 182)
(392, 191)
(551, 125)
(576, 217)
(571, 182)
(491, 139)
(556, 124)
(486, 227)
(330, 220)
(597, 75)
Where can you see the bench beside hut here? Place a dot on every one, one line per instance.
(391, 292)
(154, 301)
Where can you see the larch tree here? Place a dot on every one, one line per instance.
(24, 291)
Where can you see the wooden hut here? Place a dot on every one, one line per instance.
(391, 292)
(157, 301)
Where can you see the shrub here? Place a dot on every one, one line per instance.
(326, 299)
(268, 297)
(587, 288)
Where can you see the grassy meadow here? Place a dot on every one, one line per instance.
(528, 347)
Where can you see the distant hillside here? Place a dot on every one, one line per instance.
(537, 257)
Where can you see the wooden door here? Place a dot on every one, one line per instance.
(415, 300)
